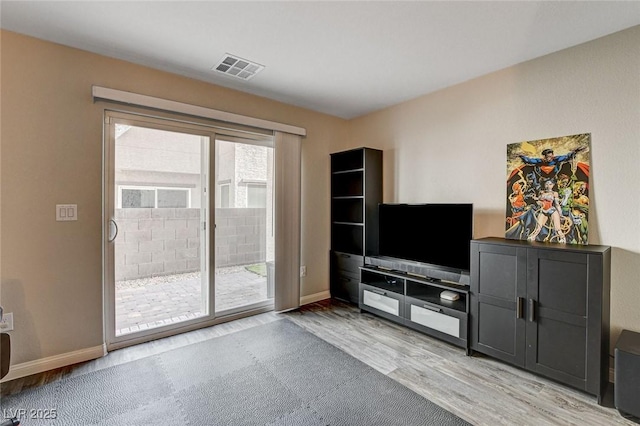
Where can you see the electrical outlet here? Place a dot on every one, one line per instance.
(303, 271)
(7, 322)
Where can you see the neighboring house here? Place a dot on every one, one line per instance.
(152, 173)
(156, 169)
(242, 174)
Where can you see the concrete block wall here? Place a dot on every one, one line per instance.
(240, 236)
(153, 242)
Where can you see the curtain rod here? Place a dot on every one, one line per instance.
(194, 110)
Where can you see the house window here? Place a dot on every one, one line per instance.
(153, 197)
(256, 195)
(132, 198)
(172, 198)
(224, 196)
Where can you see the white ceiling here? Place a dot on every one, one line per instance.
(341, 58)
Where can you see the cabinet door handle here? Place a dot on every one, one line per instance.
(345, 279)
(380, 292)
(532, 310)
(520, 307)
(346, 256)
(432, 308)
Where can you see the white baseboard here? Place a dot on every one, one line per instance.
(45, 364)
(305, 300)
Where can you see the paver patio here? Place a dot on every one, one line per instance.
(144, 304)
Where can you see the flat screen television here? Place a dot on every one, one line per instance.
(435, 234)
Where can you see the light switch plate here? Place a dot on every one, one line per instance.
(7, 322)
(66, 212)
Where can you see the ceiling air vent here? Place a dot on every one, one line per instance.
(234, 66)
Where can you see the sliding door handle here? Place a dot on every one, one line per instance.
(520, 307)
(531, 311)
(115, 235)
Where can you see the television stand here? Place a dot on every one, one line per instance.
(415, 302)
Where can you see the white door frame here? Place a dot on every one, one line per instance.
(212, 133)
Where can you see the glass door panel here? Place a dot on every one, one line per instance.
(159, 206)
(244, 238)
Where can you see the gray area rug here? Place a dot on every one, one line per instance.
(273, 374)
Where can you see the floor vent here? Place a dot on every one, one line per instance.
(234, 66)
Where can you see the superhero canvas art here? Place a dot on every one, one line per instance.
(548, 190)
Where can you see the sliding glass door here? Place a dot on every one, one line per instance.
(158, 239)
(188, 226)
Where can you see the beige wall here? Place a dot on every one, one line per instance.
(450, 146)
(51, 139)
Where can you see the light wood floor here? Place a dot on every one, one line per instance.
(479, 389)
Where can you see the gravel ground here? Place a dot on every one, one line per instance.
(162, 279)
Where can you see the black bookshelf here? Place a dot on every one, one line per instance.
(356, 191)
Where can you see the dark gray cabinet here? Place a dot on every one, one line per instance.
(345, 275)
(543, 307)
(356, 191)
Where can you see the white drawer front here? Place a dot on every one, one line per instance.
(435, 320)
(382, 303)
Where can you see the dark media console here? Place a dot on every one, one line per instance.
(410, 294)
